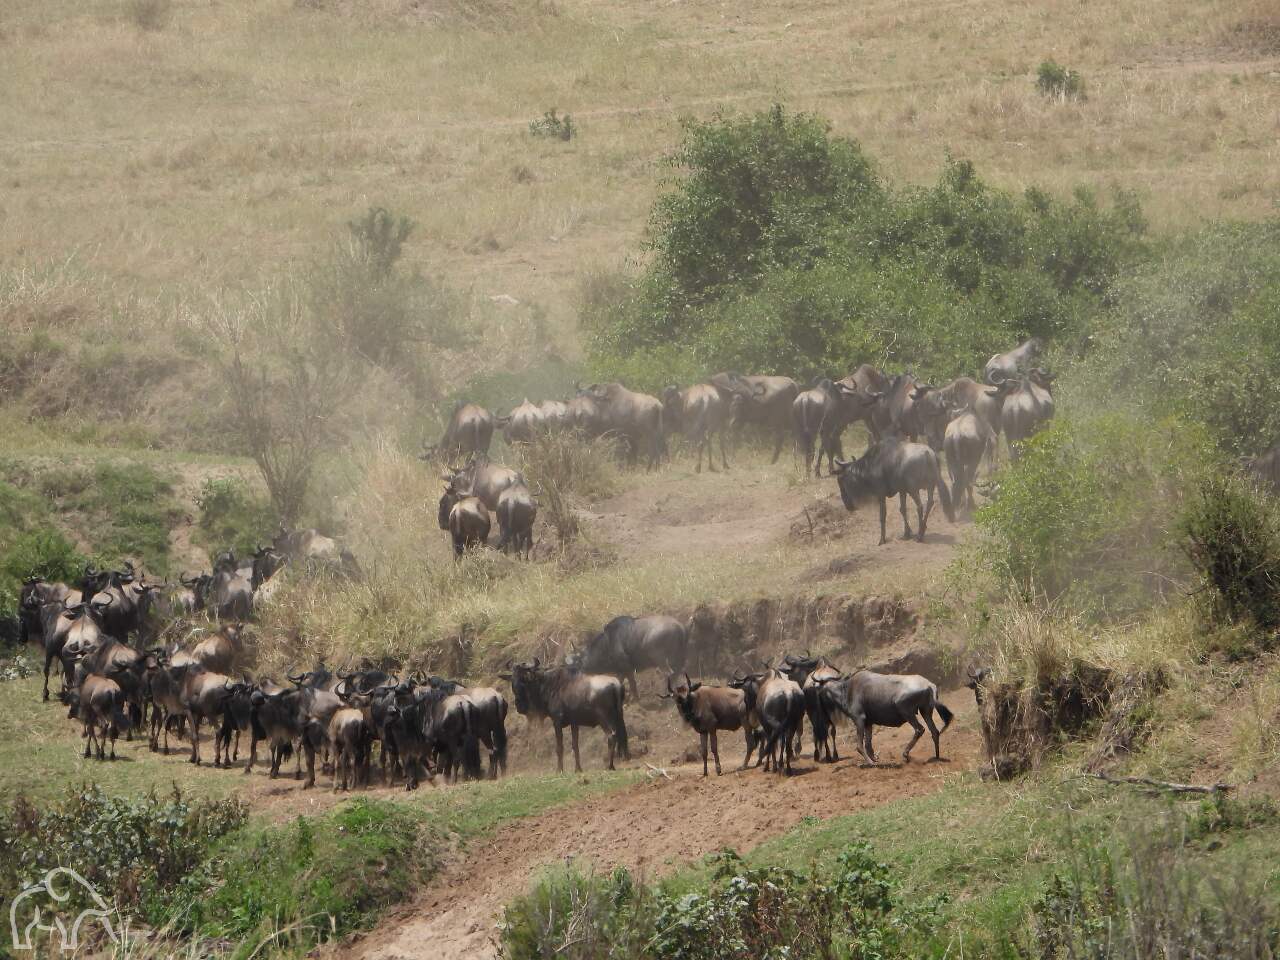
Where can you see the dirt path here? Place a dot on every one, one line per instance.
(652, 828)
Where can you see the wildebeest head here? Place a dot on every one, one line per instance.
(749, 684)
(528, 685)
(450, 496)
(854, 482)
(683, 695)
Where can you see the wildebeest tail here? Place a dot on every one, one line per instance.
(948, 505)
(121, 718)
(620, 726)
(471, 746)
(946, 715)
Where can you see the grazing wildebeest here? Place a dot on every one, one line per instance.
(699, 412)
(967, 440)
(892, 466)
(778, 704)
(573, 699)
(761, 400)
(809, 672)
(1005, 365)
(635, 417)
(822, 413)
(99, 704)
(709, 710)
(466, 518)
(489, 714)
(517, 511)
(887, 700)
(1265, 468)
(1026, 409)
(626, 645)
(523, 423)
(470, 430)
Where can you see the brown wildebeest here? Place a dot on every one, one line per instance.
(699, 412)
(469, 431)
(220, 652)
(626, 645)
(896, 414)
(967, 440)
(350, 739)
(887, 700)
(465, 517)
(809, 672)
(584, 415)
(822, 413)
(99, 703)
(709, 710)
(866, 381)
(555, 415)
(778, 704)
(62, 622)
(892, 466)
(34, 594)
(1004, 366)
(523, 423)
(1027, 408)
(517, 511)
(761, 400)
(635, 417)
(481, 478)
(573, 699)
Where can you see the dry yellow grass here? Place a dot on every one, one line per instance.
(230, 138)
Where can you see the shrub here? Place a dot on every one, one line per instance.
(1232, 535)
(232, 516)
(1055, 80)
(30, 546)
(553, 127)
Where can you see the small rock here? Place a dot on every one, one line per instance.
(504, 298)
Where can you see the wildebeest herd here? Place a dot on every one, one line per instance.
(961, 420)
(119, 675)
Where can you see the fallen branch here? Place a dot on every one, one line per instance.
(1215, 788)
(656, 770)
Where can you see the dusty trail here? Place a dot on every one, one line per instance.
(653, 828)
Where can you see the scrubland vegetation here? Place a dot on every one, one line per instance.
(296, 269)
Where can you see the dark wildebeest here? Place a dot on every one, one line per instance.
(1265, 469)
(517, 511)
(267, 562)
(822, 413)
(699, 412)
(778, 704)
(573, 699)
(489, 713)
(761, 400)
(892, 466)
(1006, 365)
(230, 591)
(626, 645)
(450, 729)
(709, 710)
(122, 590)
(466, 518)
(100, 705)
(523, 423)
(470, 430)
(1026, 409)
(967, 439)
(866, 381)
(809, 672)
(887, 700)
(635, 417)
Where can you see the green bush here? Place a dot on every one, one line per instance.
(1232, 535)
(30, 545)
(1086, 511)
(232, 516)
(553, 127)
(1055, 80)
(856, 911)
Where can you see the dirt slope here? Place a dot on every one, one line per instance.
(653, 828)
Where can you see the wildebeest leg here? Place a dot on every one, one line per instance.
(114, 733)
(310, 750)
(870, 750)
(577, 761)
(884, 510)
(906, 523)
(922, 514)
(918, 733)
(559, 748)
(195, 737)
(724, 456)
(933, 730)
(236, 753)
(635, 690)
(751, 745)
(779, 438)
(703, 738)
(48, 659)
(87, 734)
(253, 751)
(715, 751)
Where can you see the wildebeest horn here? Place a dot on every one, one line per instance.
(687, 682)
(536, 663)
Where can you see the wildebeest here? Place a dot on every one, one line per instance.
(822, 413)
(267, 561)
(809, 672)
(983, 400)
(489, 716)
(1005, 365)
(517, 511)
(1026, 409)
(892, 466)
(469, 430)
(69, 630)
(635, 417)
(99, 703)
(762, 400)
(219, 652)
(888, 700)
(481, 478)
(967, 439)
(230, 591)
(699, 412)
(573, 699)
(709, 710)
(896, 414)
(555, 415)
(121, 590)
(34, 593)
(450, 727)
(523, 423)
(465, 517)
(626, 645)
(584, 415)
(778, 704)
(866, 381)
(350, 737)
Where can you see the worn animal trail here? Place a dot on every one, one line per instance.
(652, 828)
